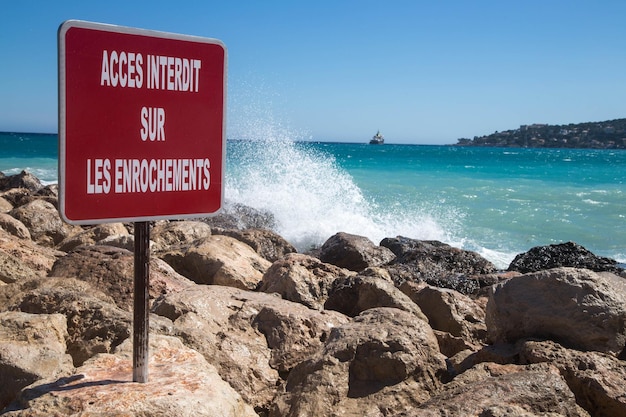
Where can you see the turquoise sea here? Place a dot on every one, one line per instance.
(495, 201)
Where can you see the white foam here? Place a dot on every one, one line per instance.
(312, 198)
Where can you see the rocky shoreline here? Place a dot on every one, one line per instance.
(243, 325)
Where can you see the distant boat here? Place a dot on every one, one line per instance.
(377, 139)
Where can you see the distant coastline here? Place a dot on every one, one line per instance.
(610, 134)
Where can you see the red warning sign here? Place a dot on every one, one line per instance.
(141, 124)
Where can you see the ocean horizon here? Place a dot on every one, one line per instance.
(498, 202)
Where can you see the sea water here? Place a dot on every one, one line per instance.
(496, 201)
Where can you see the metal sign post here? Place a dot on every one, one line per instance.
(141, 310)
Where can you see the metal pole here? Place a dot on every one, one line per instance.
(141, 302)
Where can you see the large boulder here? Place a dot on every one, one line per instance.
(302, 279)
(94, 323)
(14, 226)
(251, 338)
(576, 307)
(111, 270)
(266, 243)
(294, 333)
(567, 254)
(451, 312)
(491, 390)
(383, 362)
(355, 294)
(43, 222)
(597, 379)
(32, 347)
(180, 383)
(353, 252)
(437, 264)
(218, 260)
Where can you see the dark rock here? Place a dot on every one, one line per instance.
(15, 196)
(354, 252)
(239, 216)
(49, 193)
(111, 270)
(22, 180)
(563, 254)
(437, 263)
(355, 294)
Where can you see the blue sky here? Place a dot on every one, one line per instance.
(426, 72)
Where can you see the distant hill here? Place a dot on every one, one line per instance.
(610, 134)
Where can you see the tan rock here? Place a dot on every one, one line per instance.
(14, 226)
(503, 390)
(38, 258)
(43, 222)
(503, 354)
(265, 242)
(166, 234)
(449, 311)
(92, 236)
(5, 205)
(32, 347)
(12, 270)
(247, 336)
(180, 383)
(94, 323)
(122, 241)
(577, 307)
(354, 252)
(383, 362)
(302, 279)
(219, 260)
(597, 379)
(293, 332)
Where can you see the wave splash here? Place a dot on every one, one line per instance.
(311, 197)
